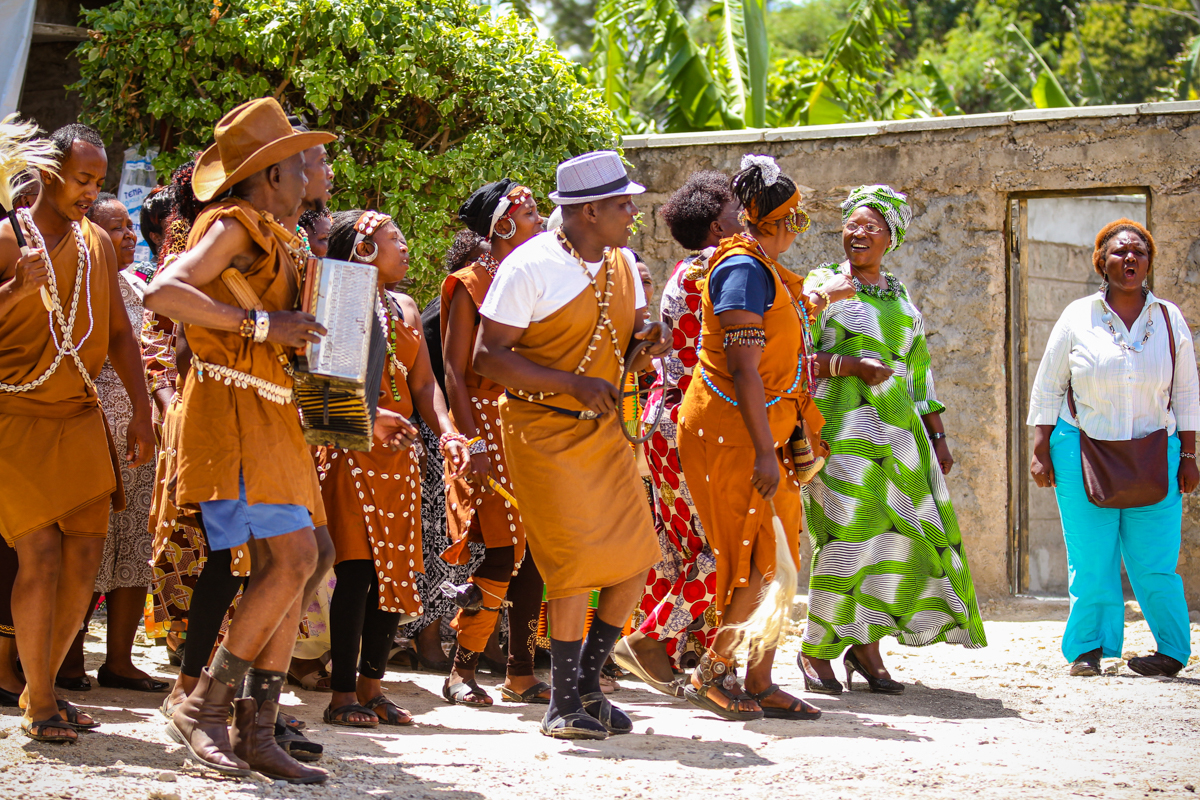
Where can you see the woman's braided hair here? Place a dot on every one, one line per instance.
(750, 188)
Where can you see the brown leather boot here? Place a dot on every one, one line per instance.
(198, 724)
(253, 738)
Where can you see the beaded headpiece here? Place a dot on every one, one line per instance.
(367, 224)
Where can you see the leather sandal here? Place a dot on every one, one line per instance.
(798, 709)
(532, 695)
(341, 716)
(457, 694)
(318, 680)
(395, 714)
(71, 713)
(714, 672)
(627, 659)
(36, 730)
(576, 725)
(296, 744)
(612, 718)
(1157, 664)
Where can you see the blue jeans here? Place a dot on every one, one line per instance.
(1097, 539)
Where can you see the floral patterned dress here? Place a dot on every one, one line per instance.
(677, 606)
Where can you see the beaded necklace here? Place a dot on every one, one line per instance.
(66, 324)
(893, 291)
(605, 320)
(807, 366)
(489, 262)
(303, 234)
(388, 323)
(1119, 338)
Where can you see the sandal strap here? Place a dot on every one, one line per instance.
(341, 712)
(765, 693)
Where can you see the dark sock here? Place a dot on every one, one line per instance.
(228, 668)
(264, 686)
(564, 678)
(599, 643)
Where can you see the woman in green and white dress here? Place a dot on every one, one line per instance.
(888, 557)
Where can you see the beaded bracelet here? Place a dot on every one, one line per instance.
(745, 335)
(477, 446)
(246, 329)
(1192, 456)
(451, 436)
(824, 295)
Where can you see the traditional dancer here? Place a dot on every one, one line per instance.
(481, 506)
(374, 498)
(558, 325)
(888, 558)
(679, 616)
(242, 457)
(58, 466)
(735, 428)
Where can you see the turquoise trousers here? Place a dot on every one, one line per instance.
(1148, 540)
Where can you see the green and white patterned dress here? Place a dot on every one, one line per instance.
(888, 558)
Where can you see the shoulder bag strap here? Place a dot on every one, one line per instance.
(1171, 339)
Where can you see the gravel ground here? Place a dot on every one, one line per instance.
(1002, 722)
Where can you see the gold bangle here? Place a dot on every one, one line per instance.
(835, 366)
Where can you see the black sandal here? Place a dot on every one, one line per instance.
(394, 712)
(72, 716)
(576, 725)
(797, 710)
(341, 716)
(532, 695)
(297, 745)
(612, 718)
(718, 673)
(36, 730)
(110, 680)
(457, 694)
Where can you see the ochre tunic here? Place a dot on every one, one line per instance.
(374, 499)
(473, 515)
(584, 505)
(224, 429)
(715, 449)
(57, 463)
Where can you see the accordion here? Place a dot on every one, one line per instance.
(337, 379)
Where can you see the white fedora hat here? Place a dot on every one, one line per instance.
(591, 177)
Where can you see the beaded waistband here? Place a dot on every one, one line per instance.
(243, 380)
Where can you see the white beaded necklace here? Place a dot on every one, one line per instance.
(83, 275)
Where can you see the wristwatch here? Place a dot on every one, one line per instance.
(262, 326)
(933, 437)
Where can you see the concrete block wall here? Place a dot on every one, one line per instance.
(960, 173)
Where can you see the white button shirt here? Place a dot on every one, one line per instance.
(1120, 394)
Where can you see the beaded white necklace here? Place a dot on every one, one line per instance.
(603, 300)
(66, 323)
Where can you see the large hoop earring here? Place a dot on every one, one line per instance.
(512, 230)
(368, 257)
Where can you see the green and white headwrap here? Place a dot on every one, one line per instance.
(892, 205)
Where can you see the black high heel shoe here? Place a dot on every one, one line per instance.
(817, 684)
(878, 685)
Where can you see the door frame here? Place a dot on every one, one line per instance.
(1016, 360)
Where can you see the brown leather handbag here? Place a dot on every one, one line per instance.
(1129, 473)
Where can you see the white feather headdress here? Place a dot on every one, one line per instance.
(22, 155)
(770, 170)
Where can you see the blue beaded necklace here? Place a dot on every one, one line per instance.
(805, 364)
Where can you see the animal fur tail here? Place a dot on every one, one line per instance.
(762, 631)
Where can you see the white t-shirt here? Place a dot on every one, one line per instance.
(539, 278)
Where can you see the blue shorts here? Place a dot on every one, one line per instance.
(232, 523)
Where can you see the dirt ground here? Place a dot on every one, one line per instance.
(1001, 722)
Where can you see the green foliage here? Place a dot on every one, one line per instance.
(699, 87)
(431, 97)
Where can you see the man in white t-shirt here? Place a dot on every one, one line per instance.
(561, 319)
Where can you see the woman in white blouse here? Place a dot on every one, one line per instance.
(1114, 350)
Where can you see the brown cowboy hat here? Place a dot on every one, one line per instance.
(252, 137)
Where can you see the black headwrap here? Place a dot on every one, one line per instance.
(480, 207)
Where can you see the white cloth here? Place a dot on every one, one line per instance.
(1119, 394)
(539, 278)
(16, 34)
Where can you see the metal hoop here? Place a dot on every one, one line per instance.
(633, 354)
